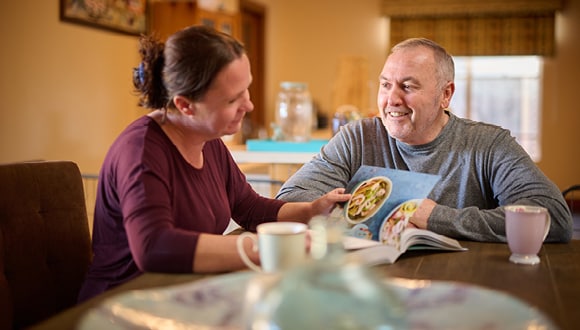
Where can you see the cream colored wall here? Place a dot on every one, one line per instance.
(561, 103)
(306, 40)
(66, 89)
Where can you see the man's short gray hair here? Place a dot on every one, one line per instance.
(444, 62)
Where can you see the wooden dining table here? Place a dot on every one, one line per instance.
(552, 286)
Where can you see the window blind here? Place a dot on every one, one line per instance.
(476, 28)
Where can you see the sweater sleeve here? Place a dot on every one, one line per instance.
(145, 191)
(355, 144)
(508, 176)
(249, 209)
(327, 170)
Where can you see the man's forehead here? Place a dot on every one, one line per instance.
(419, 55)
(408, 61)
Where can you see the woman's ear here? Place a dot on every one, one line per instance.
(184, 105)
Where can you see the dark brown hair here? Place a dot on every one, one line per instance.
(185, 65)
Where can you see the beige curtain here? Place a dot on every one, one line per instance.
(477, 28)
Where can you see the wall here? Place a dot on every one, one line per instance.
(306, 40)
(67, 93)
(66, 88)
(560, 104)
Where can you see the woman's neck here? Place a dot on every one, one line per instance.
(187, 143)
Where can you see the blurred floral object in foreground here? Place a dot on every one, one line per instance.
(331, 292)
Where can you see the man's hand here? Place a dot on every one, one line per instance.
(420, 217)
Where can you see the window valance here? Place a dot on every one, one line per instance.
(477, 28)
(463, 8)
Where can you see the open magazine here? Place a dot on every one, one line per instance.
(378, 212)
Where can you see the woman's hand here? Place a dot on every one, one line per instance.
(304, 211)
(326, 203)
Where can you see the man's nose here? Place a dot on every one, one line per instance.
(394, 97)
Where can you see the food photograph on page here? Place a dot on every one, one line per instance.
(378, 212)
(394, 224)
(381, 197)
(367, 198)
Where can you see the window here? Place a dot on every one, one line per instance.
(501, 90)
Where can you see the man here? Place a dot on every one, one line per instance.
(482, 167)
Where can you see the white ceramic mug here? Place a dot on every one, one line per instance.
(526, 229)
(281, 245)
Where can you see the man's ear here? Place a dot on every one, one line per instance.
(184, 105)
(447, 94)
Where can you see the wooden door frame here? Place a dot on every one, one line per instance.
(254, 39)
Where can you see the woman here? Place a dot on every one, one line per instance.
(168, 185)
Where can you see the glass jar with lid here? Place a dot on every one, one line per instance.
(294, 112)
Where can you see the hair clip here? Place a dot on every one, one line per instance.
(139, 73)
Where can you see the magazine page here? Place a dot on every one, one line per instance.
(355, 243)
(409, 239)
(383, 200)
(374, 255)
(415, 239)
(377, 215)
(372, 252)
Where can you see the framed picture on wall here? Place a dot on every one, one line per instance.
(127, 17)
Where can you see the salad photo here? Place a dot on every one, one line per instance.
(367, 199)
